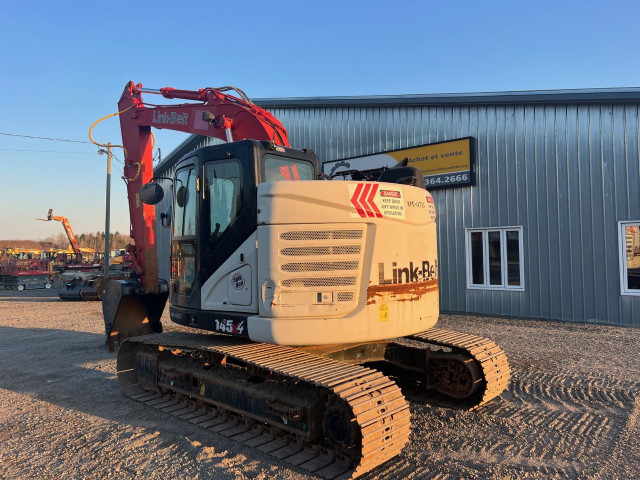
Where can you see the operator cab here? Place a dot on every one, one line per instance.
(215, 212)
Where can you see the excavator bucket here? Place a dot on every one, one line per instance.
(70, 291)
(92, 290)
(129, 312)
(78, 289)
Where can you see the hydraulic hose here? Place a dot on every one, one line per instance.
(153, 137)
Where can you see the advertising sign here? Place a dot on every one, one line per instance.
(443, 164)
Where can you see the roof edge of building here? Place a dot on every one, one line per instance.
(585, 95)
(522, 97)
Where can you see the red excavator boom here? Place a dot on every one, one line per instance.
(216, 114)
(134, 307)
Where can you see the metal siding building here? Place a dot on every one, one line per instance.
(564, 165)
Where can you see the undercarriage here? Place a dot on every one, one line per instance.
(335, 411)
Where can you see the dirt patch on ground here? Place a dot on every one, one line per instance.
(571, 410)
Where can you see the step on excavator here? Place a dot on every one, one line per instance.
(316, 300)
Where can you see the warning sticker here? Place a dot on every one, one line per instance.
(431, 206)
(383, 312)
(370, 200)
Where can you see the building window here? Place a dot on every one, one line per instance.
(494, 258)
(629, 238)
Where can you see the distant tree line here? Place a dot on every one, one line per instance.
(90, 240)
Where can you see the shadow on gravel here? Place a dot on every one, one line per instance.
(31, 299)
(64, 367)
(38, 295)
(74, 371)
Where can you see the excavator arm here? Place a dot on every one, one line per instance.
(216, 114)
(134, 306)
(67, 229)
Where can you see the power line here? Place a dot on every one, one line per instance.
(114, 158)
(117, 160)
(42, 138)
(50, 151)
(40, 151)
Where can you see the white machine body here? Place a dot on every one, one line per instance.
(333, 262)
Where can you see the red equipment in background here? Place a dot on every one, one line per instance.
(20, 274)
(67, 229)
(62, 261)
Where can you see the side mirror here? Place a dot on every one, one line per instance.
(182, 196)
(165, 218)
(151, 193)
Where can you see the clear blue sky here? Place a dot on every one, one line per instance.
(64, 64)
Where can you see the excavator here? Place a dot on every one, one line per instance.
(312, 302)
(67, 229)
(86, 282)
(70, 261)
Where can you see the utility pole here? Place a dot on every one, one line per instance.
(107, 219)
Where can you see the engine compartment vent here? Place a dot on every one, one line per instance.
(307, 282)
(322, 259)
(345, 296)
(319, 266)
(322, 235)
(322, 250)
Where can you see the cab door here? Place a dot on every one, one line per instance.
(185, 285)
(228, 220)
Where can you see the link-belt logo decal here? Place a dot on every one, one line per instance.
(413, 273)
(172, 118)
(369, 200)
(237, 280)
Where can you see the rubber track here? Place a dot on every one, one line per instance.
(493, 361)
(376, 402)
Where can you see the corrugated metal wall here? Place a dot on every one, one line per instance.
(566, 173)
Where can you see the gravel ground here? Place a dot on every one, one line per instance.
(571, 410)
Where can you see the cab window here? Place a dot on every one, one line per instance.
(278, 168)
(185, 203)
(223, 197)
